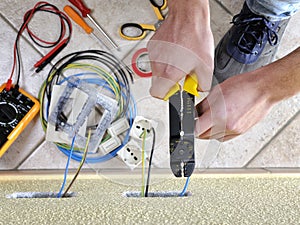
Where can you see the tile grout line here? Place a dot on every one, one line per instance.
(21, 36)
(224, 7)
(272, 138)
(43, 140)
(34, 48)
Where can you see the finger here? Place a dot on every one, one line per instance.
(203, 123)
(229, 137)
(220, 135)
(204, 76)
(164, 77)
(202, 107)
(161, 86)
(213, 134)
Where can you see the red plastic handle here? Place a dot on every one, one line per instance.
(81, 7)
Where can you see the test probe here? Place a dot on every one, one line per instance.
(17, 107)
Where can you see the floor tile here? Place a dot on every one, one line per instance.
(111, 15)
(237, 152)
(283, 151)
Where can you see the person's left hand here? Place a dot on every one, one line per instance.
(233, 107)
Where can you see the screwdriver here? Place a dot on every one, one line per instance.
(86, 13)
(77, 19)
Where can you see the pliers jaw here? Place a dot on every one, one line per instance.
(181, 121)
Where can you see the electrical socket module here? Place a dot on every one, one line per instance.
(109, 145)
(58, 117)
(141, 124)
(131, 154)
(77, 100)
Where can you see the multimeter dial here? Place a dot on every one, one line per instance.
(8, 113)
(17, 108)
(13, 108)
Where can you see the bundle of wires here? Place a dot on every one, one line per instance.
(100, 69)
(145, 188)
(61, 42)
(78, 170)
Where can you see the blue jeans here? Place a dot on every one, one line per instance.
(274, 9)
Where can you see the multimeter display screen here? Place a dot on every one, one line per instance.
(13, 107)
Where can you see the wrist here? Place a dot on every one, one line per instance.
(190, 10)
(277, 81)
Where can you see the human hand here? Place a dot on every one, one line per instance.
(232, 107)
(182, 45)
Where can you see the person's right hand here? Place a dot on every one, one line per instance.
(182, 45)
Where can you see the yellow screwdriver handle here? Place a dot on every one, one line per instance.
(77, 19)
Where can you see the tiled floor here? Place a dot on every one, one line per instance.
(274, 142)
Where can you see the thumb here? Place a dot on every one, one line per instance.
(203, 123)
(161, 86)
(204, 76)
(164, 78)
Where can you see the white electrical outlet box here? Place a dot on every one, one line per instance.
(77, 100)
(110, 145)
(118, 127)
(131, 154)
(139, 126)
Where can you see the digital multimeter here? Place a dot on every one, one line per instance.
(17, 109)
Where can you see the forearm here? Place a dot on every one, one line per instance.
(190, 11)
(281, 79)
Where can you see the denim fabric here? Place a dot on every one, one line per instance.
(274, 9)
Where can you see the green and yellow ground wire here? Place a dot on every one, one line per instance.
(81, 163)
(143, 162)
(103, 66)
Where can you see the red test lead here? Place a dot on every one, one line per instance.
(57, 45)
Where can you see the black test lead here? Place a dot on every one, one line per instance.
(58, 45)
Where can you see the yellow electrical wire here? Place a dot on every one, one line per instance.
(81, 163)
(106, 76)
(103, 74)
(143, 163)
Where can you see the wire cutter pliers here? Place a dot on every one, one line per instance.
(181, 124)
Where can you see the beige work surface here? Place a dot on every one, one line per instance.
(216, 199)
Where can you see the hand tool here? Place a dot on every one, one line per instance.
(77, 19)
(85, 11)
(136, 31)
(89, 30)
(181, 124)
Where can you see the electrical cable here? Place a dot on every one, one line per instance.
(81, 163)
(67, 168)
(143, 163)
(58, 45)
(95, 64)
(183, 192)
(185, 187)
(117, 71)
(150, 162)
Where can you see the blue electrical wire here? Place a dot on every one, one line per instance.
(132, 111)
(185, 187)
(67, 169)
